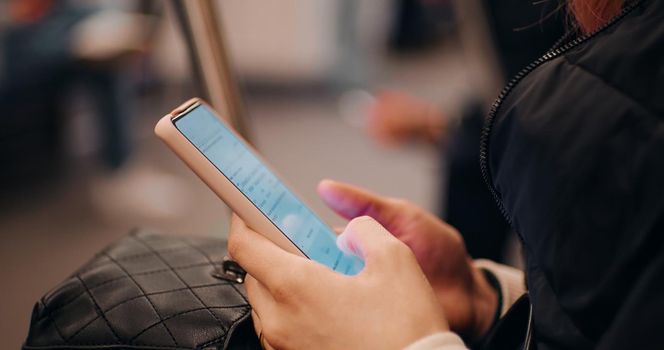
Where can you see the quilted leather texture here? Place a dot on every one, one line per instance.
(147, 291)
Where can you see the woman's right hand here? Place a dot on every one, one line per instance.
(469, 302)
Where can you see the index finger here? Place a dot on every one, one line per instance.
(258, 256)
(351, 201)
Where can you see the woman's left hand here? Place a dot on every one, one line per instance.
(301, 304)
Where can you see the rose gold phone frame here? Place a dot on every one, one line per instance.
(218, 183)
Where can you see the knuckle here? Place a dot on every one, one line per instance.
(292, 286)
(234, 246)
(283, 289)
(407, 209)
(401, 203)
(395, 247)
(415, 215)
(359, 219)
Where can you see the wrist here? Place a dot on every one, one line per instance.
(484, 302)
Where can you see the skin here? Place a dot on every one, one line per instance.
(418, 280)
(396, 118)
(467, 298)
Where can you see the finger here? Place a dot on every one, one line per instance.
(338, 229)
(368, 239)
(259, 296)
(351, 202)
(258, 256)
(258, 328)
(262, 303)
(265, 344)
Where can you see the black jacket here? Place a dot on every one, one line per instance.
(574, 154)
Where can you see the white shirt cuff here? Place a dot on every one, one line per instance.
(512, 286)
(511, 280)
(438, 341)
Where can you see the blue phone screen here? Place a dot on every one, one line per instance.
(287, 212)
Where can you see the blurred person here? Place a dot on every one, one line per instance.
(420, 24)
(519, 32)
(572, 155)
(48, 47)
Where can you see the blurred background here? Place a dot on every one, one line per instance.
(82, 84)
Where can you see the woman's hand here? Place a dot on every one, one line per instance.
(467, 298)
(300, 304)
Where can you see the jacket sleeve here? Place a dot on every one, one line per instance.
(638, 321)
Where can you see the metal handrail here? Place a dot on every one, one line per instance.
(210, 61)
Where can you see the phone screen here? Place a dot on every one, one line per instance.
(286, 211)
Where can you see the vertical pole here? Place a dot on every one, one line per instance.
(210, 60)
(210, 63)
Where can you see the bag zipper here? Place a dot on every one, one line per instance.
(551, 54)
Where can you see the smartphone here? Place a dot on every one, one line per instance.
(243, 180)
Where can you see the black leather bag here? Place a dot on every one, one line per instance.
(148, 291)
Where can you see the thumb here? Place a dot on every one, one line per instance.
(351, 202)
(368, 239)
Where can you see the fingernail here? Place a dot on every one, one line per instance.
(342, 243)
(347, 245)
(326, 188)
(326, 182)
